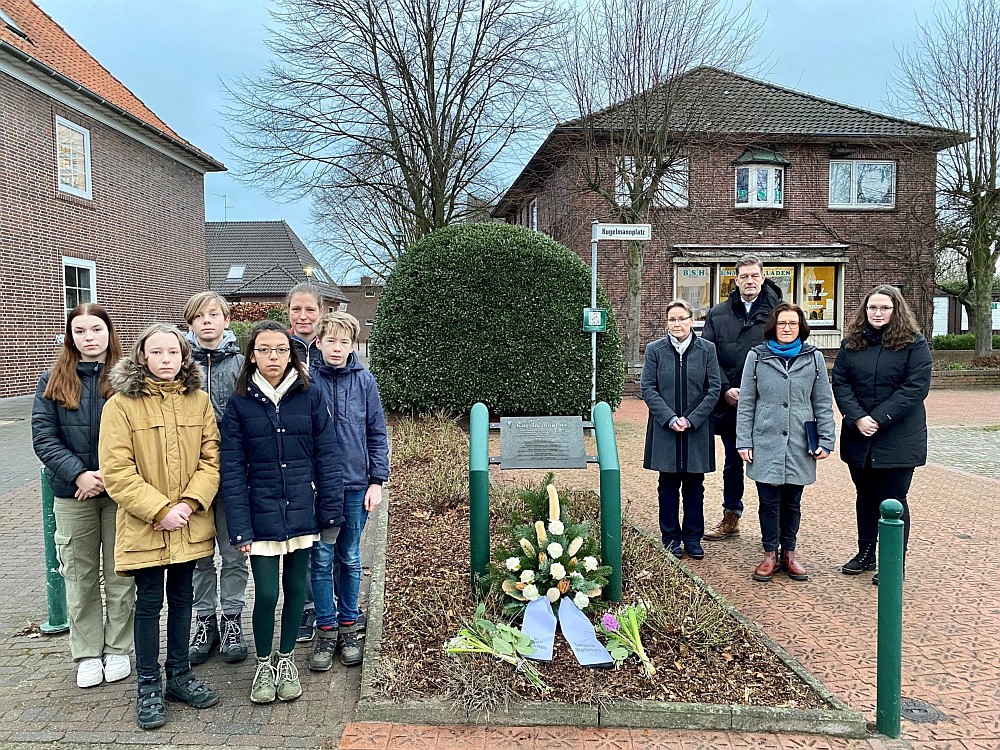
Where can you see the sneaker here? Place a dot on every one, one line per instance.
(187, 688)
(233, 648)
(116, 667)
(306, 626)
(263, 681)
(350, 649)
(323, 650)
(287, 677)
(362, 621)
(149, 710)
(89, 673)
(205, 639)
(728, 526)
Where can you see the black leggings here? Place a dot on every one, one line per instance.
(148, 603)
(294, 574)
(873, 486)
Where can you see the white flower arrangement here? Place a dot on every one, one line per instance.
(551, 557)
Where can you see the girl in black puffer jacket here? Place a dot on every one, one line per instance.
(65, 422)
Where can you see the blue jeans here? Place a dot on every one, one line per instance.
(336, 600)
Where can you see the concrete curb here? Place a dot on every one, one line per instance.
(839, 720)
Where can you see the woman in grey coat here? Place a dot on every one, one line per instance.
(785, 386)
(680, 385)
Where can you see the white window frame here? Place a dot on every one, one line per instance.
(236, 273)
(370, 291)
(853, 205)
(370, 322)
(533, 214)
(79, 263)
(672, 192)
(87, 192)
(752, 200)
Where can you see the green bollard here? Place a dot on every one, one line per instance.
(611, 499)
(55, 584)
(890, 617)
(479, 494)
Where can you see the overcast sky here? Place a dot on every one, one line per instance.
(174, 56)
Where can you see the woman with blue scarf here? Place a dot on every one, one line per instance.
(784, 424)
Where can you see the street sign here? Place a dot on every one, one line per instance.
(620, 232)
(595, 320)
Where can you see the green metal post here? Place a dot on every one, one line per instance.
(479, 493)
(890, 617)
(55, 585)
(611, 498)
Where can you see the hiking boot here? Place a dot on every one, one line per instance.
(288, 687)
(351, 652)
(149, 710)
(362, 621)
(864, 560)
(205, 638)
(306, 624)
(323, 650)
(187, 688)
(728, 526)
(263, 690)
(233, 647)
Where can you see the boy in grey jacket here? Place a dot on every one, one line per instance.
(215, 348)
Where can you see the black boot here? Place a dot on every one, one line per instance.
(864, 560)
(149, 710)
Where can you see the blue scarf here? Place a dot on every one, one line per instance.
(786, 351)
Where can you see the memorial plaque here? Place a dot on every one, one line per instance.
(542, 443)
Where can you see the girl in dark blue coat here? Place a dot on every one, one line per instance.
(281, 486)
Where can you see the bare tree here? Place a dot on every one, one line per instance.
(626, 65)
(394, 108)
(952, 78)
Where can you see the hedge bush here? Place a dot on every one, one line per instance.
(956, 341)
(491, 313)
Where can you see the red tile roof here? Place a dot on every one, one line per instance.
(49, 44)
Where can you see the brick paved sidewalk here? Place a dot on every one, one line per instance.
(952, 598)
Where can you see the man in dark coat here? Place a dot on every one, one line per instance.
(735, 327)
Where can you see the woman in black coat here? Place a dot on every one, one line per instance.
(680, 385)
(282, 486)
(880, 380)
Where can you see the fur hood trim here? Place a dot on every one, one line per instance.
(129, 378)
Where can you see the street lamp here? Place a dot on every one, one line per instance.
(309, 271)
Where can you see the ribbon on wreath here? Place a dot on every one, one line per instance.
(540, 625)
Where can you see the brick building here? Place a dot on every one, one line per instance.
(260, 261)
(835, 199)
(362, 303)
(99, 199)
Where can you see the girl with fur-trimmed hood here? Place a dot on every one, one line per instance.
(159, 456)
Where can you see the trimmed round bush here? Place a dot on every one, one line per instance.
(491, 313)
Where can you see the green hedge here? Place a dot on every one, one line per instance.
(491, 313)
(954, 341)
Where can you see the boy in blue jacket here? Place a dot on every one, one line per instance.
(352, 396)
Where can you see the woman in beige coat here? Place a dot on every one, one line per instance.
(159, 456)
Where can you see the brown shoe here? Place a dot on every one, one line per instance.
(728, 526)
(766, 570)
(792, 566)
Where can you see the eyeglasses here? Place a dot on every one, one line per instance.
(675, 321)
(786, 324)
(876, 309)
(267, 351)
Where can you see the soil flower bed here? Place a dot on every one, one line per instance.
(703, 653)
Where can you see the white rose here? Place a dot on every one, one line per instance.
(553, 594)
(513, 564)
(530, 592)
(581, 600)
(527, 576)
(590, 562)
(557, 571)
(555, 550)
(556, 527)
(576, 574)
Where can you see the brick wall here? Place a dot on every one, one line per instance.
(361, 306)
(893, 246)
(144, 230)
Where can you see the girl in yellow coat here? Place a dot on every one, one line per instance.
(159, 456)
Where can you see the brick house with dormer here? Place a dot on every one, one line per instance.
(100, 200)
(834, 199)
